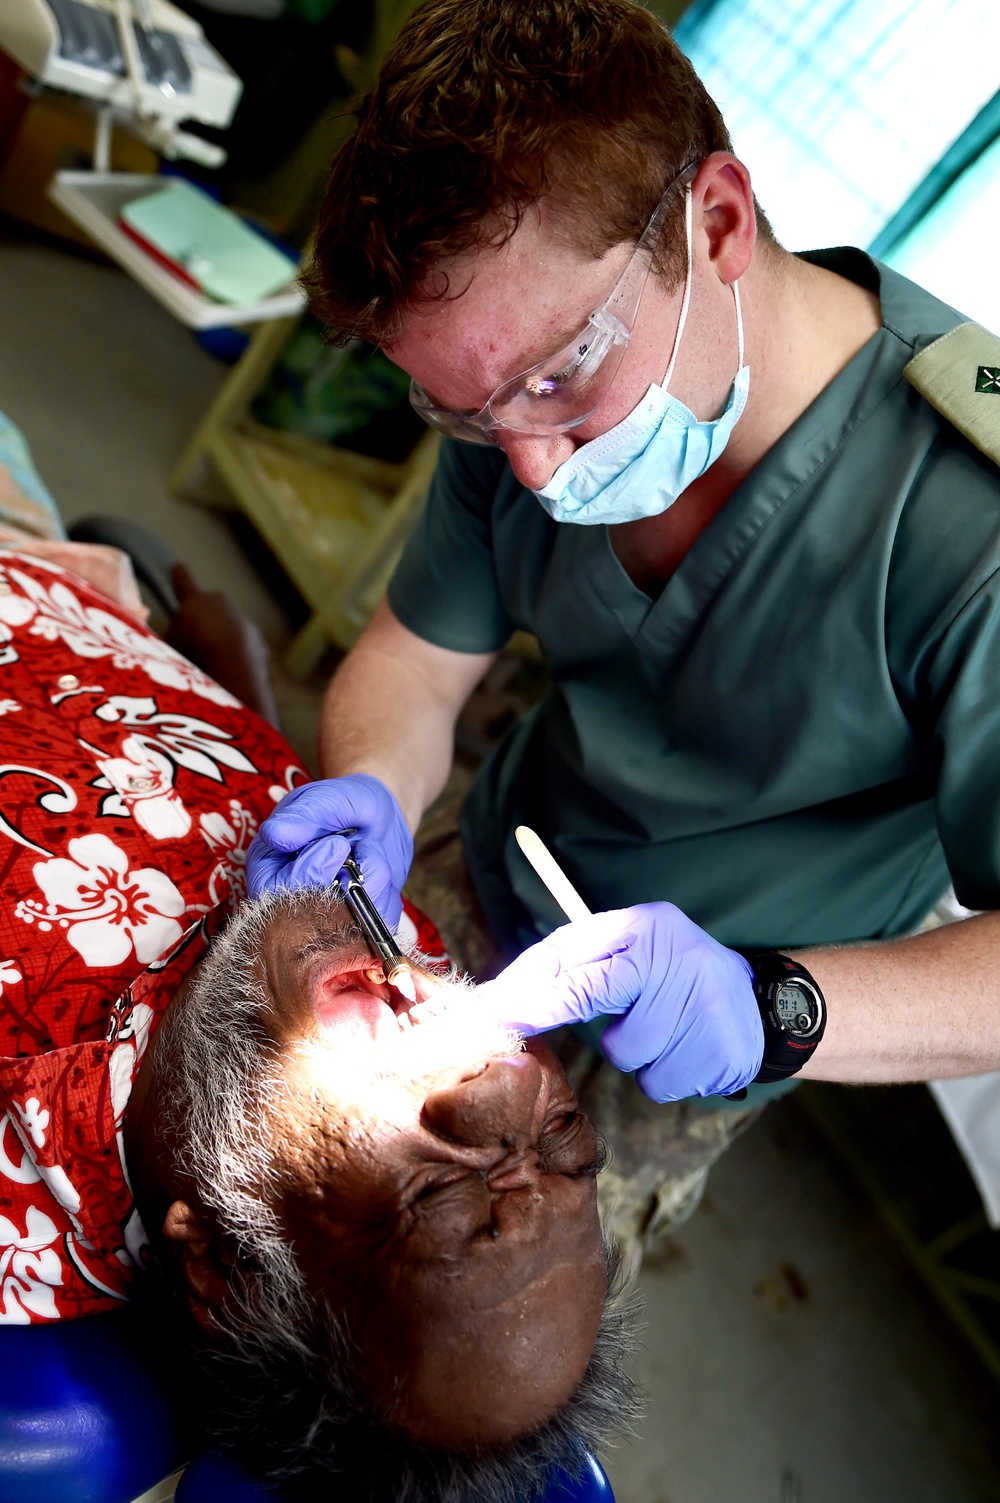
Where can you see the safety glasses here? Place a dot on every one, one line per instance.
(563, 391)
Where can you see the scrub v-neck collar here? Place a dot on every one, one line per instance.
(664, 623)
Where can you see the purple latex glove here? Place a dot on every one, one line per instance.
(304, 844)
(689, 1024)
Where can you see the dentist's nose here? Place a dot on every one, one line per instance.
(535, 459)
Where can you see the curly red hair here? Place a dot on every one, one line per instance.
(482, 107)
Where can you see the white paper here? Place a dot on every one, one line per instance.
(971, 1108)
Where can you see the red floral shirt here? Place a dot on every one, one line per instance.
(131, 785)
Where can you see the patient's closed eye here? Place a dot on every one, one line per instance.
(452, 1209)
(440, 1183)
(566, 1145)
(559, 1123)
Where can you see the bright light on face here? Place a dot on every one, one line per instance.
(390, 1068)
(453, 1031)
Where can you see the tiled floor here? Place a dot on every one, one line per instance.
(788, 1354)
(791, 1357)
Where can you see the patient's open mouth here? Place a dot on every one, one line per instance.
(370, 1037)
(357, 1001)
(399, 997)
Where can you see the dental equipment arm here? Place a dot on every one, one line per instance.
(145, 63)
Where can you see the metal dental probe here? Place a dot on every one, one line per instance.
(398, 971)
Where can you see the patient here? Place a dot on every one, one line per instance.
(386, 1234)
(383, 1240)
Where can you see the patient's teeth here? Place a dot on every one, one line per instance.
(403, 982)
(427, 1010)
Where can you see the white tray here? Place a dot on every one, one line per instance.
(94, 200)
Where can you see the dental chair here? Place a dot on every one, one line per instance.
(87, 1416)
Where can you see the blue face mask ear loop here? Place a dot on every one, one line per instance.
(686, 303)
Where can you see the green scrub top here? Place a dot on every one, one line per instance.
(798, 740)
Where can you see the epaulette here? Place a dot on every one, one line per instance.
(959, 374)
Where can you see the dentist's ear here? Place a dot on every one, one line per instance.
(723, 204)
(207, 1260)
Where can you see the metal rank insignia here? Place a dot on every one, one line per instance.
(988, 379)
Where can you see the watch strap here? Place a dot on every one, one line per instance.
(784, 1052)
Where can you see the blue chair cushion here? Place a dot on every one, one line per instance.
(212, 1478)
(88, 1414)
(217, 1479)
(84, 1416)
(592, 1486)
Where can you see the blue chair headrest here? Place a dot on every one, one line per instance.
(87, 1415)
(83, 1416)
(217, 1479)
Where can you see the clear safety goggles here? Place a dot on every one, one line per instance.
(563, 391)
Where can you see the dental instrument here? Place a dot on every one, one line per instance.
(397, 969)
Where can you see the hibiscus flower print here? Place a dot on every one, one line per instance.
(56, 614)
(34, 1119)
(29, 1269)
(230, 838)
(106, 910)
(10, 974)
(145, 780)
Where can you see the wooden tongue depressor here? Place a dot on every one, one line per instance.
(551, 873)
(554, 878)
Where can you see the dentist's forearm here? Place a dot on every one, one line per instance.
(923, 1008)
(391, 710)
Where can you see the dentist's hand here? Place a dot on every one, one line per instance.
(688, 1021)
(315, 828)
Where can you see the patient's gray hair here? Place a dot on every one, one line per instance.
(282, 1374)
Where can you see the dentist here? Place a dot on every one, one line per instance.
(723, 487)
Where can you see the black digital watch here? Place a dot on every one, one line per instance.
(792, 1010)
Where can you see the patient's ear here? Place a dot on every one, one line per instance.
(206, 1260)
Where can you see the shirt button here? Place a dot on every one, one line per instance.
(5, 588)
(68, 681)
(141, 785)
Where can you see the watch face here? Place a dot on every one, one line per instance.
(797, 1008)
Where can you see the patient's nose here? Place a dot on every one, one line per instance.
(497, 1106)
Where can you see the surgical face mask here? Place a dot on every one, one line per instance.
(641, 465)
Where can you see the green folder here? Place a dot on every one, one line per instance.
(227, 258)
